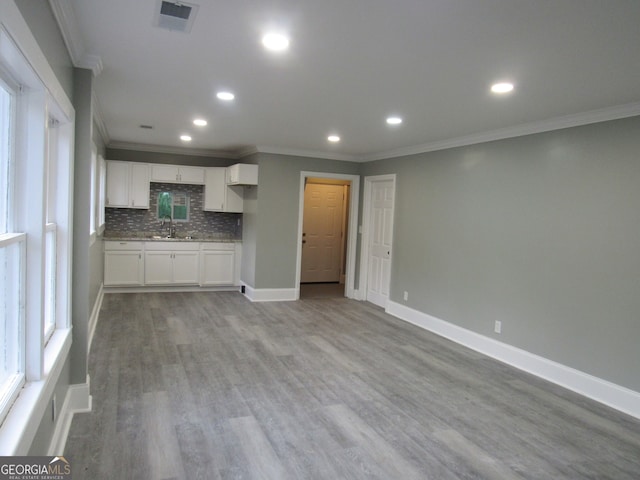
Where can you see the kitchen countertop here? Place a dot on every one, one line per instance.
(158, 238)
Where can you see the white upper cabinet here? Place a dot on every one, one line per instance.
(139, 193)
(214, 189)
(177, 174)
(218, 196)
(127, 184)
(242, 174)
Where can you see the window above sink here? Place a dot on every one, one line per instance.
(174, 205)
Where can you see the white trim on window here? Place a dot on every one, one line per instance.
(102, 192)
(40, 191)
(12, 307)
(50, 281)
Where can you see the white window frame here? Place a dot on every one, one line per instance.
(12, 386)
(13, 257)
(51, 281)
(40, 98)
(93, 209)
(102, 193)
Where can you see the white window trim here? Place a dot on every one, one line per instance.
(51, 254)
(21, 57)
(18, 380)
(93, 208)
(102, 193)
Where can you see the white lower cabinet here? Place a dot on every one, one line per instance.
(155, 263)
(218, 262)
(171, 263)
(123, 264)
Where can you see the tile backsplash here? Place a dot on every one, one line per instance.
(131, 221)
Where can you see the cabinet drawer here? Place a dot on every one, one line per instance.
(206, 246)
(171, 246)
(132, 246)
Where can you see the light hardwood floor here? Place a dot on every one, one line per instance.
(211, 386)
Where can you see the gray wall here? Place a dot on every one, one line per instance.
(276, 215)
(540, 232)
(43, 26)
(96, 256)
(84, 254)
(167, 158)
(46, 427)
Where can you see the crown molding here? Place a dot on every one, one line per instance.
(72, 36)
(246, 151)
(198, 152)
(558, 123)
(343, 157)
(90, 62)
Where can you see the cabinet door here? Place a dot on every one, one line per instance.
(164, 173)
(158, 268)
(117, 184)
(191, 175)
(139, 191)
(123, 268)
(186, 267)
(218, 267)
(214, 189)
(233, 174)
(242, 174)
(234, 199)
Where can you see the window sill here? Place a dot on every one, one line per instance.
(22, 422)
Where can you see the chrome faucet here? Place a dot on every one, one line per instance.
(172, 227)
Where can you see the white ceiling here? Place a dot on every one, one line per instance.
(354, 62)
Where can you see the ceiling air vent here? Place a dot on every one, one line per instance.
(175, 16)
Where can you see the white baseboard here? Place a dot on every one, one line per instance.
(95, 313)
(357, 295)
(271, 294)
(603, 391)
(77, 400)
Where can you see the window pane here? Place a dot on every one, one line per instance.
(12, 329)
(180, 206)
(164, 205)
(93, 209)
(5, 154)
(50, 283)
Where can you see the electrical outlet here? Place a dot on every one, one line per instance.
(497, 327)
(406, 295)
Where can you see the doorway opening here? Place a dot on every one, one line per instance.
(327, 233)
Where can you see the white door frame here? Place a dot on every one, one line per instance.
(352, 241)
(366, 225)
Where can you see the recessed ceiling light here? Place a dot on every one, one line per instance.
(225, 96)
(185, 138)
(276, 42)
(394, 120)
(200, 122)
(502, 87)
(333, 138)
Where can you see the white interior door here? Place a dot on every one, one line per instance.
(322, 233)
(380, 241)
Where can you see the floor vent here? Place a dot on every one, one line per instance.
(175, 16)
